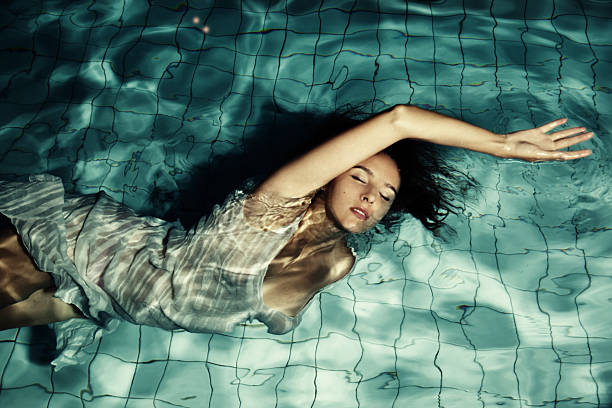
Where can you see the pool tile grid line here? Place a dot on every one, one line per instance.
(535, 264)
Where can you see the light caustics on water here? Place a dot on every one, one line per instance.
(168, 107)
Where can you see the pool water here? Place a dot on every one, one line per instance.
(167, 105)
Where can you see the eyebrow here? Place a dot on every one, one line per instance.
(371, 173)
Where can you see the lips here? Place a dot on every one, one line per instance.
(360, 213)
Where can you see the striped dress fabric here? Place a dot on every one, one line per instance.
(114, 264)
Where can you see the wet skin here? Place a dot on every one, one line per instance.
(317, 255)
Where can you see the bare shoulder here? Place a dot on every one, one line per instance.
(342, 261)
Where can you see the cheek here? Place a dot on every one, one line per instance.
(382, 209)
(334, 199)
(338, 195)
(386, 209)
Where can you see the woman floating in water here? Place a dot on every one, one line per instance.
(86, 261)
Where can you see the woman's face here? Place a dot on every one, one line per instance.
(360, 197)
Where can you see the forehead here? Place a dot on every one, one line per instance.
(383, 167)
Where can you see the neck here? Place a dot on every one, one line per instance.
(317, 229)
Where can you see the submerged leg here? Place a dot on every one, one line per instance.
(39, 308)
(26, 292)
(19, 276)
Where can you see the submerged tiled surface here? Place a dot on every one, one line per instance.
(135, 99)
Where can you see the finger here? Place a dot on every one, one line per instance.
(561, 156)
(551, 125)
(566, 132)
(570, 141)
(576, 154)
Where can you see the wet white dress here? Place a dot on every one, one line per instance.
(113, 264)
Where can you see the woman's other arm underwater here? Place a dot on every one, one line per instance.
(319, 166)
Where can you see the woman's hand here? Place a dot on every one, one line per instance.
(538, 145)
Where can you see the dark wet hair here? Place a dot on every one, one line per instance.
(430, 188)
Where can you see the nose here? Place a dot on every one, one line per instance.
(368, 196)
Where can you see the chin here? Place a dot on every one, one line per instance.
(346, 227)
(357, 228)
(354, 230)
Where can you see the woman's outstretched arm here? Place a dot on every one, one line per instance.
(531, 145)
(321, 165)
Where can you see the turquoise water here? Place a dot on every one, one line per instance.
(134, 98)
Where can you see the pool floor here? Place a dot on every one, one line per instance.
(168, 105)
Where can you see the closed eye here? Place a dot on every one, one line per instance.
(358, 179)
(385, 198)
